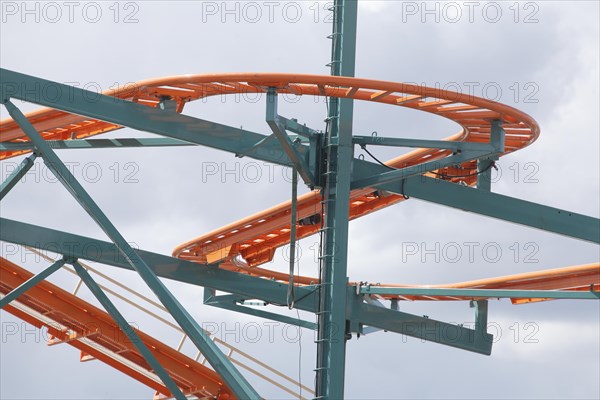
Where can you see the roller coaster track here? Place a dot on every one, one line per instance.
(246, 244)
(255, 238)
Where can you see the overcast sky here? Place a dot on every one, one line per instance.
(541, 57)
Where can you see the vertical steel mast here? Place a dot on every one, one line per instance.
(331, 347)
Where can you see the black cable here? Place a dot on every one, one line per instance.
(444, 176)
(402, 190)
(299, 345)
(364, 147)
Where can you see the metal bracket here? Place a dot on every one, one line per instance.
(231, 302)
(278, 127)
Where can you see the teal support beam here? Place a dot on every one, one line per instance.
(97, 144)
(291, 298)
(422, 143)
(484, 177)
(403, 173)
(424, 328)
(165, 122)
(227, 302)
(16, 175)
(331, 338)
(210, 276)
(484, 152)
(132, 335)
(292, 125)
(481, 313)
(484, 165)
(486, 203)
(482, 293)
(222, 365)
(503, 207)
(31, 282)
(278, 129)
(481, 322)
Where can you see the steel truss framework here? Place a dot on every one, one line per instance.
(348, 186)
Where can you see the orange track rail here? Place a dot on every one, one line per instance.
(579, 277)
(576, 278)
(54, 307)
(255, 238)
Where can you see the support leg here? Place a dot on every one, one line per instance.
(16, 175)
(128, 330)
(31, 282)
(331, 350)
(222, 365)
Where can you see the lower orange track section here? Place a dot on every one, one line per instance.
(584, 277)
(579, 277)
(74, 321)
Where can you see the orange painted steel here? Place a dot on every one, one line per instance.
(584, 277)
(78, 320)
(255, 238)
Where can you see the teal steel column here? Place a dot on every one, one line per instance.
(16, 175)
(331, 350)
(128, 331)
(222, 365)
(484, 165)
(31, 282)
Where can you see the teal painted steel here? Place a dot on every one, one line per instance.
(31, 282)
(16, 175)
(481, 323)
(154, 120)
(484, 165)
(484, 171)
(422, 143)
(292, 125)
(503, 207)
(222, 365)
(428, 329)
(483, 152)
(128, 330)
(486, 203)
(227, 302)
(209, 276)
(478, 293)
(97, 143)
(338, 307)
(331, 342)
(298, 160)
(293, 222)
(403, 173)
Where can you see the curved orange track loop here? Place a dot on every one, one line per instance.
(255, 238)
(84, 320)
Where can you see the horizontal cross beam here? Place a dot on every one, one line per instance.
(165, 122)
(97, 144)
(480, 293)
(486, 203)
